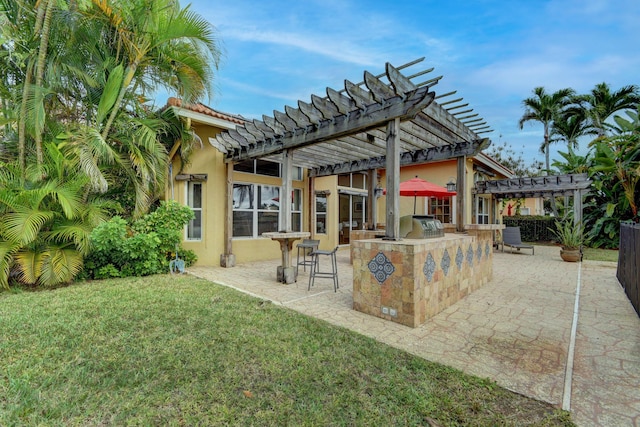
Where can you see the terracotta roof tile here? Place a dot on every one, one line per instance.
(203, 109)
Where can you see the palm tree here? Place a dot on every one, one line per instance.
(601, 103)
(46, 223)
(74, 76)
(92, 72)
(569, 128)
(162, 44)
(546, 108)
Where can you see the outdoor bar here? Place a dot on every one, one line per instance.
(412, 280)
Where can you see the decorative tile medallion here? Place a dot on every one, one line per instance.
(459, 258)
(479, 253)
(446, 262)
(470, 256)
(429, 267)
(486, 249)
(381, 267)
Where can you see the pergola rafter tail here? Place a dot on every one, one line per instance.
(353, 117)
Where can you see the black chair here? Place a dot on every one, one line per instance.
(315, 267)
(511, 237)
(307, 247)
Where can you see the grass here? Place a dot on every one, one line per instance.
(592, 254)
(173, 351)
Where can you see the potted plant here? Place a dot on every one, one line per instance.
(571, 238)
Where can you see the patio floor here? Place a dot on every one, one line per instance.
(516, 330)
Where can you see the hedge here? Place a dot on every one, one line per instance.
(532, 228)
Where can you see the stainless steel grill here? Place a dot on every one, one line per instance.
(420, 227)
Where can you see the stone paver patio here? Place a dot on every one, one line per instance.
(516, 330)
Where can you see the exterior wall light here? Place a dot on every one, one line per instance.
(451, 185)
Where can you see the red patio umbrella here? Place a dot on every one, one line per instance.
(419, 187)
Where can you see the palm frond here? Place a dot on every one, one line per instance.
(60, 264)
(23, 226)
(77, 231)
(7, 252)
(29, 266)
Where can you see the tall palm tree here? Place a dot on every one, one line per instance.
(74, 76)
(162, 44)
(93, 71)
(601, 103)
(546, 108)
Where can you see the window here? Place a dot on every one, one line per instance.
(194, 201)
(482, 215)
(353, 180)
(256, 209)
(296, 210)
(265, 167)
(321, 214)
(441, 209)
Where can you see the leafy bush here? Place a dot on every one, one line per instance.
(144, 248)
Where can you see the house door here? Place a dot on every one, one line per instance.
(352, 215)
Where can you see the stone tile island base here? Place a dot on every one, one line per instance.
(411, 280)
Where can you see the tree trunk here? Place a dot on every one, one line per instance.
(42, 56)
(547, 148)
(128, 78)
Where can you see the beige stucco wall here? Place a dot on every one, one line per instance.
(328, 240)
(535, 205)
(210, 161)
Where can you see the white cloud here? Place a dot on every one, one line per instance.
(337, 49)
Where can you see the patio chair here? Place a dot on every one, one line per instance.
(306, 247)
(315, 268)
(511, 238)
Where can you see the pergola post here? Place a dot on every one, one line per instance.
(372, 202)
(577, 206)
(312, 207)
(228, 259)
(392, 231)
(460, 192)
(287, 188)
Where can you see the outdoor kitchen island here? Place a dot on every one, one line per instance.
(410, 280)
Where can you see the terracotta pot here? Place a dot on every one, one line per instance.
(570, 255)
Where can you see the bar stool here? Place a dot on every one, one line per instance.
(306, 244)
(315, 267)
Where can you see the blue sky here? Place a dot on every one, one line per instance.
(492, 52)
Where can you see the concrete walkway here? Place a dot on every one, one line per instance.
(519, 330)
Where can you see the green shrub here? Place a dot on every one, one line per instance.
(532, 228)
(144, 248)
(107, 272)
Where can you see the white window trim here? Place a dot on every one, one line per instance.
(186, 228)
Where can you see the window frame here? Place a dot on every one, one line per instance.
(321, 214)
(190, 227)
(257, 211)
(485, 212)
(446, 209)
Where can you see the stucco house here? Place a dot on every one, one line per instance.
(329, 207)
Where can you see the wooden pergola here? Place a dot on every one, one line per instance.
(576, 185)
(385, 121)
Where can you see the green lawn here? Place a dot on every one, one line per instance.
(592, 254)
(169, 350)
